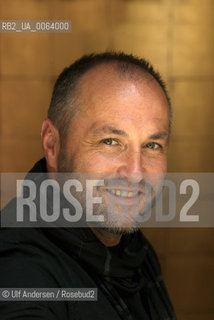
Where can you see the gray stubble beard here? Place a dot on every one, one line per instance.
(101, 209)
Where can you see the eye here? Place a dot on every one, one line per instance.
(109, 141)
(153, 146)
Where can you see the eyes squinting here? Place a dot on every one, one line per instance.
(109, 141)
(151, 145)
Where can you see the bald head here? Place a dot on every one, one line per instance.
(107, 79)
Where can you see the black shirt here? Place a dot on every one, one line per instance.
(127, 276)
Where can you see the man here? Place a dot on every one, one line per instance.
(110, 114)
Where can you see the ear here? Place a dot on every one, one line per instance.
(50, 144)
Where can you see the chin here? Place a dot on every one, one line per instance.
(122, 230)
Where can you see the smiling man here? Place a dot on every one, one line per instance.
(109, 116)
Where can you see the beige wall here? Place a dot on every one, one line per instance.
(177, 36)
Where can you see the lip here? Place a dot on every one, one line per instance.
(129, 189)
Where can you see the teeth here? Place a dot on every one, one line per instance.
(118, 193)
(124, 194)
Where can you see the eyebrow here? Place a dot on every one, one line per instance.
(109, 130)
(159, 135)
(112, 130)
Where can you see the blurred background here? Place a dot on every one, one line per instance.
(177, 37)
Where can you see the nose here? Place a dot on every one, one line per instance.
(131, 166)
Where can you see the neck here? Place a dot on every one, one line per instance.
(107, 238)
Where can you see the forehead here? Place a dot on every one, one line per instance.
(136, 106)
(103, 90)
(109, 76)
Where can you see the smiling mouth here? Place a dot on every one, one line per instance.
(123, 193)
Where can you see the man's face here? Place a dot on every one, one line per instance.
(120, 136)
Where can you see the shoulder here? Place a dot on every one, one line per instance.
(23, 262)
(30, 258)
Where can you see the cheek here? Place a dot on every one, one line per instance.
(156, 165)
(94, 162)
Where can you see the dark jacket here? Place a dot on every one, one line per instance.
(127, 276)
